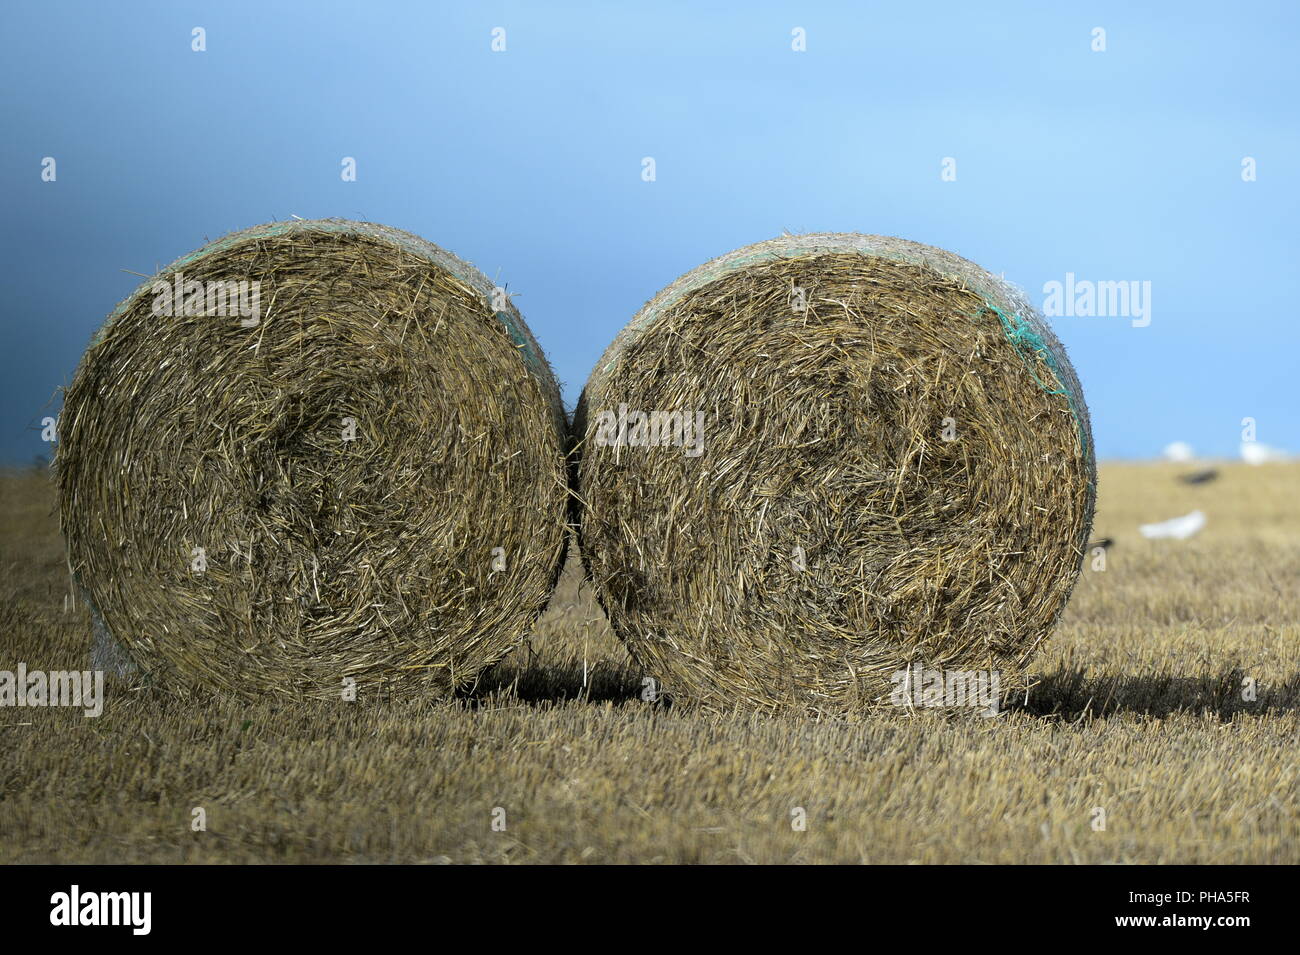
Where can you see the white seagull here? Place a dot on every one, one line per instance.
(1252, 452)
(1176, 528)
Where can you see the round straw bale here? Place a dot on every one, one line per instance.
(347, 473)
(819, 461)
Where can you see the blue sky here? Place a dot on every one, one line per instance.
(1115, 165)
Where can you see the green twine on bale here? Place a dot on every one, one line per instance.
(1028, 345)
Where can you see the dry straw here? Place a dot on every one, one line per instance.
(364, 483)
(895, 469)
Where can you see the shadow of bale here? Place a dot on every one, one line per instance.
(1071, 694)
(599, 682)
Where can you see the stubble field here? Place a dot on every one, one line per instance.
(1141, 721)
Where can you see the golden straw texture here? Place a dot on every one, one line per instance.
(894, 468)
(363, 484)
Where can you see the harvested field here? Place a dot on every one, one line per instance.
(1138, 711)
